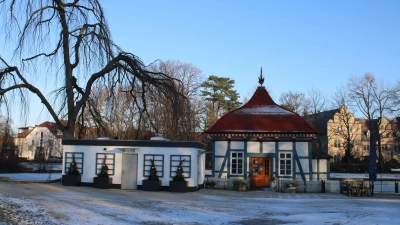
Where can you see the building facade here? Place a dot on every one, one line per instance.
(262, 141)
(129, 162)
(40, 142)
(339, 129)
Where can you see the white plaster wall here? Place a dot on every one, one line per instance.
(273, 165)
(89, 162)
(221, 147)
(237, 145)
(28, 150)
(285, 145)
(300, 179)
(323, 176)
(302, 149)
(167, 152)
(218, 163)
(201, 167)
(305, 165)
(253, 147)
(314, 165)
(323, 165)
(268, 147)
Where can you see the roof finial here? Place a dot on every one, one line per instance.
(261, 78)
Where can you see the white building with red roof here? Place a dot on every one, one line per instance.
(261, 141)
(42, 140)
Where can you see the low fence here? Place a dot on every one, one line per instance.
(328, 186)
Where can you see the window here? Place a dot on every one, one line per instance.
(266, 167)
(237, 163)
(33, 142)
(158, 163)
(351, 143)
(69, 158)
(350, 129)
(337, 143)
(285, 164)
(339, 128)
(186, 165)
(110, 162)
(336, 159)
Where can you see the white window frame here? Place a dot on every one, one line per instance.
(285, 161)
(237, 158)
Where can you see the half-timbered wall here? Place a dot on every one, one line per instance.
(284, 154)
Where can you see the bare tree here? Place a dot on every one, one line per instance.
(395, 100)
(69, 44)
(317, 104)
(372, 98)
(189, 111)
(294, 101)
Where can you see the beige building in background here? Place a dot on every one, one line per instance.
(338, 126)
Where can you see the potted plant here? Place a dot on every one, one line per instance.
(152, 183)
(236, 184)
(210, 184)
(73, 177)
(103, 180)
(178, 184)
(290, 187)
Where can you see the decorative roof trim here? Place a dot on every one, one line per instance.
(244, 136)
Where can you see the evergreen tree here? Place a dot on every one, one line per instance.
(221, 96)
(104, 169)
(73, 168)
(153, 172)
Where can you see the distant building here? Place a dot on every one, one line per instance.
(338, 128)
(40, 141)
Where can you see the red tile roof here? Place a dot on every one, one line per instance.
(50, 125)
(261, 115)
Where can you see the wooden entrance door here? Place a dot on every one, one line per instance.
(261, 170)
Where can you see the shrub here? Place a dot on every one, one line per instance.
(73, 168)
(153, 172)
(179, 173)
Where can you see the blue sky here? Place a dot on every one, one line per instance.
(299, 44)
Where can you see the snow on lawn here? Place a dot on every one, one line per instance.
(39, 177)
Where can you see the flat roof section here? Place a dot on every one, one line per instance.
(136, 143)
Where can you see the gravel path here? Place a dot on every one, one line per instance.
(52, 203)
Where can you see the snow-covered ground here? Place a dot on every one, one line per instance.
(38, 177)
(52, 203)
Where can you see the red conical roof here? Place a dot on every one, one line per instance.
(261, 115)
